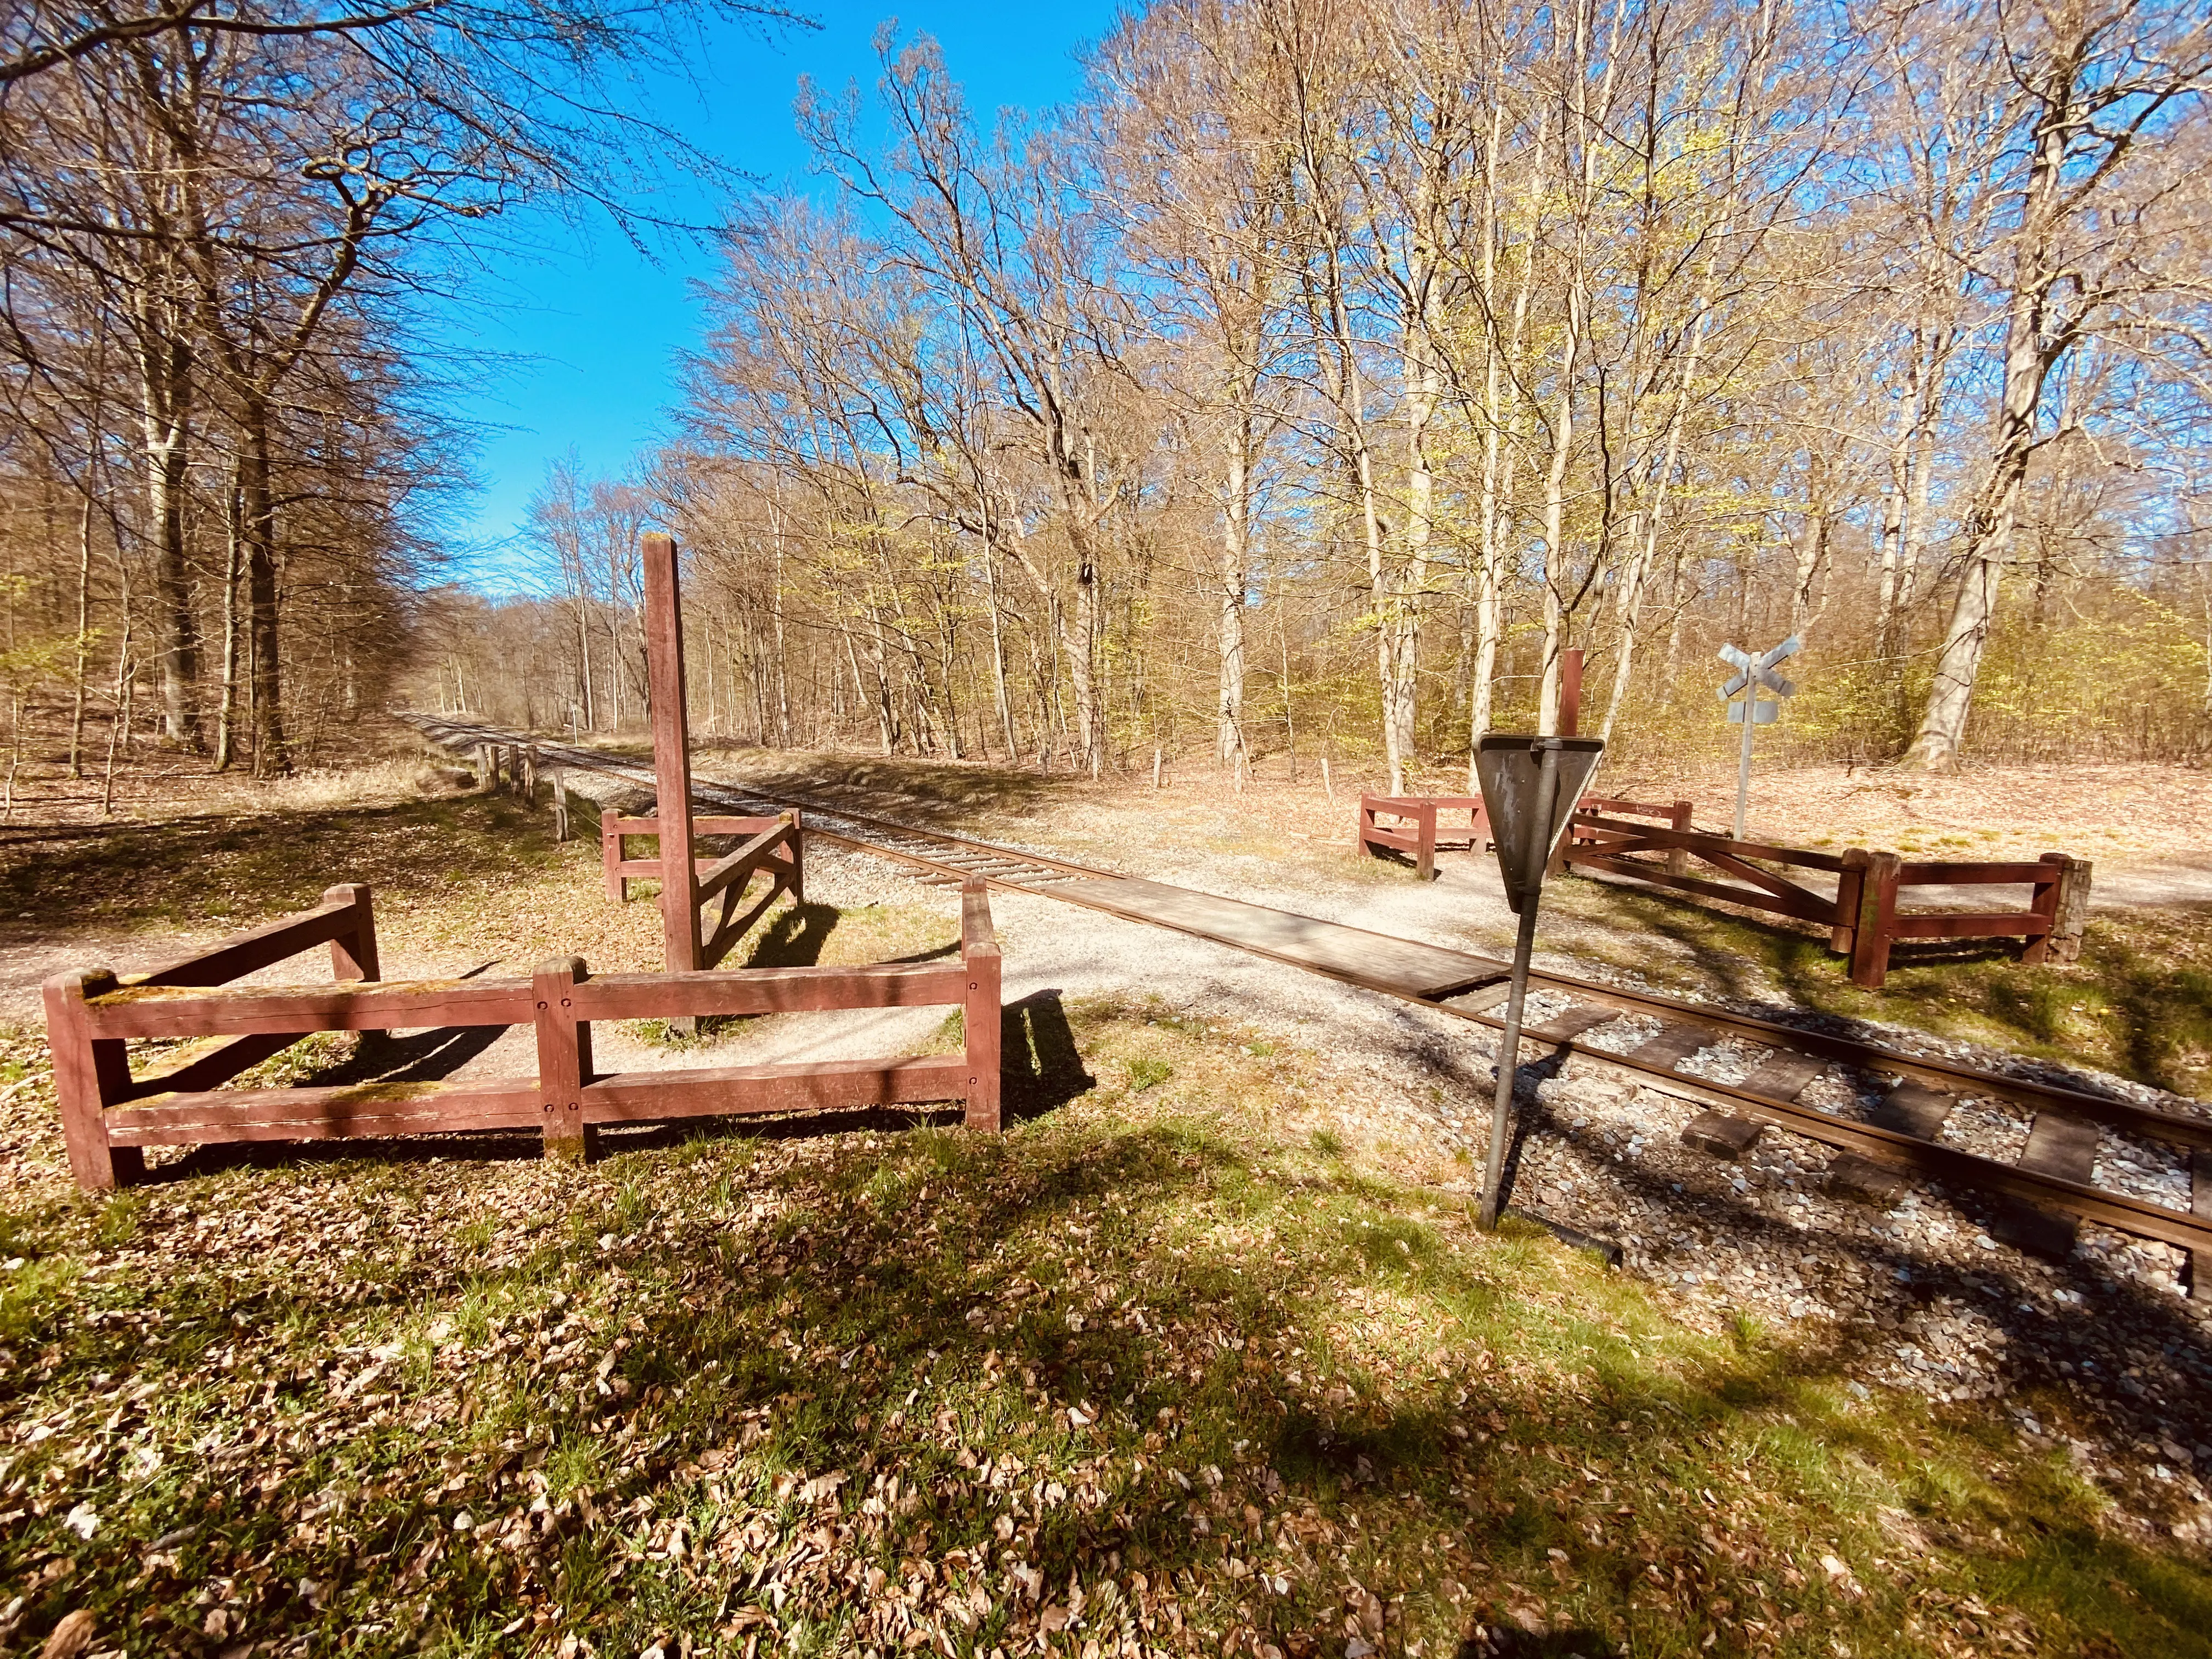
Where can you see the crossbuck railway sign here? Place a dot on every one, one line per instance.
(1746, 708)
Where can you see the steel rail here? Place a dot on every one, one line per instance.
(2136, 1216)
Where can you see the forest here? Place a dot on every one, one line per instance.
(1303, 389)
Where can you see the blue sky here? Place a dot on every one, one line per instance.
(582, 330)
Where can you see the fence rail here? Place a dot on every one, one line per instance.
(775, 845)
(108, 1116)
(1861, 914)
(1417, 833)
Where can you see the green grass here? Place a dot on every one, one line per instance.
(2138, 1003)
(1174, 1365)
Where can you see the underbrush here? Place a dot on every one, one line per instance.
(1182, 1365)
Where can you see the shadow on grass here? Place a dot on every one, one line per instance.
(240, 871)
(1148, 1381)
(1040, 1068)
(2138, 1003)
(2087, 1356)
(931, 793)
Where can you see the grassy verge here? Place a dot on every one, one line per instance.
(1168, 1370)
(2138, 1003)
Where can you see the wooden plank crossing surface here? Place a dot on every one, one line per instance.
(1376, 960)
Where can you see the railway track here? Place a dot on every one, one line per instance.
(2041, 1196)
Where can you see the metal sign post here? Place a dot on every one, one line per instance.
(1753, 675)
(1529, 788)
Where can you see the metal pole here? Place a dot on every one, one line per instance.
(1743, 762)
(1524, 946)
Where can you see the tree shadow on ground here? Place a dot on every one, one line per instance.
(1119, 1378)
(793, 937)
(246, 870)
(932, 793)
(2126, 1350)
(2136, 1004)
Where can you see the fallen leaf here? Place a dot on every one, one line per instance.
(72, 1635)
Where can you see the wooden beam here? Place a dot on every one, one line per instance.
(235, 1010)
(672, 753)
(355, 1111)
(658, 1097)
(770, 991)
(257, 948)
(564, 1058)
(353, 953)
(89, 1073)
(979, 1012)
(207, 1064)
(744, 860)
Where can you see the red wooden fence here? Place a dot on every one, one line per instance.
(1414, 831)
(1417, 833)
(1861, 917)
(107, 1115)
(774, 847)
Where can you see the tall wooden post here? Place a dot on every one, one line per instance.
(1570, 691)
(672, 754)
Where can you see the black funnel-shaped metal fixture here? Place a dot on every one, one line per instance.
(1529, 805)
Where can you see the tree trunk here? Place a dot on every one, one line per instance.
(226, 733)
(2030, 354)
(1235, 570)
(257, 527)
(1555, 499)
(166, 419)
(83, 637)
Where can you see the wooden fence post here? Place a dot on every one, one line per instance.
(564, 1059)
(89, 1073)
(1677, 819)
(560, 783)
(610, 852)
(353, 955)
(979, 1012)
(1363, 823)
(2070, 912)
(1877, 913)
(1851, 882)
(1424, 861)
(798, 857)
